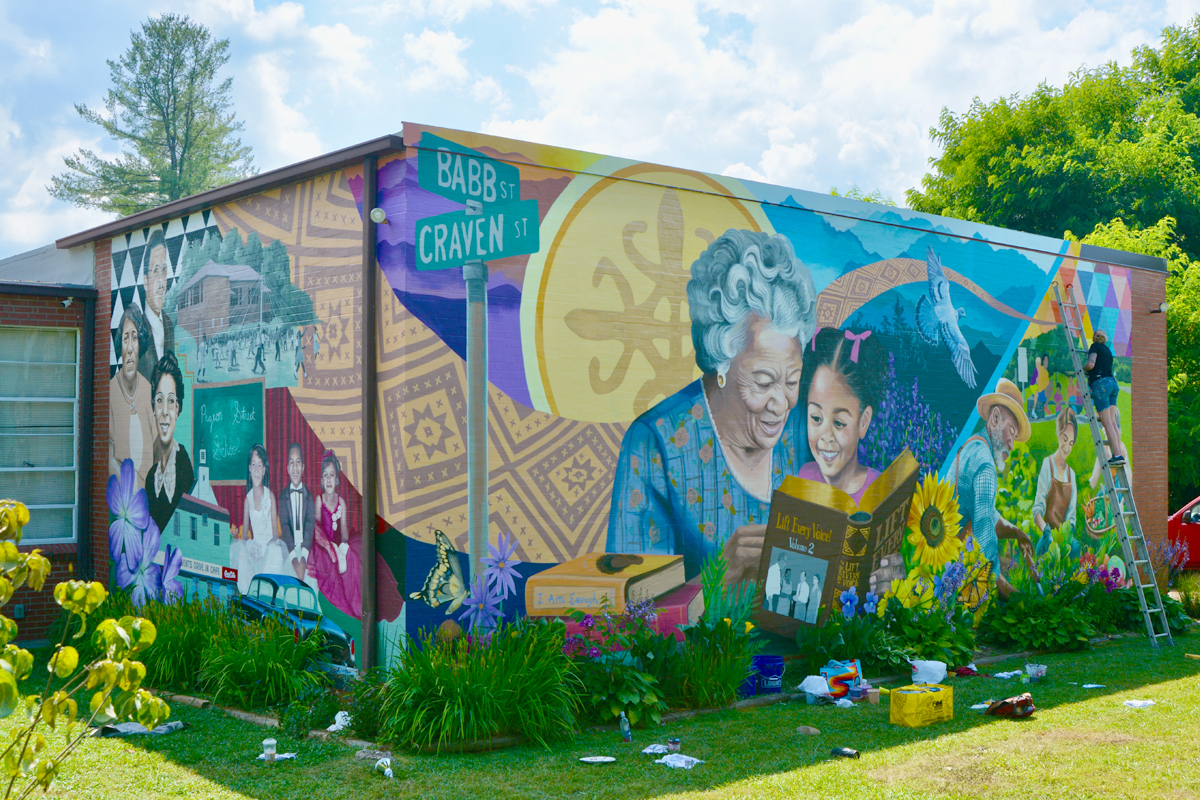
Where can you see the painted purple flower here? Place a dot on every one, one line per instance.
(147, 579)
(870, 603)
(594, 652)
(483, 607)
(172, 589)
(127, 502)
(500, 563)
(588, 623)
(849, 601)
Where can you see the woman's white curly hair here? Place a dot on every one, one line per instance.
(744, 273)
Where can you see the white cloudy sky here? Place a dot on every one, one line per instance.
(807, 93)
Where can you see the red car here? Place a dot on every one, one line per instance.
(1184, 525)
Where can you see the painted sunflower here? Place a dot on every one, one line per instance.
(933, 522)
(915, 591)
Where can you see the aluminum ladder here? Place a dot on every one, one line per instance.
(1116, 483)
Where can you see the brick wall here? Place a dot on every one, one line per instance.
(1149, 458)
(99, 550)
(40, 608)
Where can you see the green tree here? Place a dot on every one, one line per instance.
(855, 193)
(174, 123)
(1113, 152)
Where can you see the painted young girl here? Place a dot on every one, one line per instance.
(842, 385)
(1057, 496)
(258, 548)
(336, 562)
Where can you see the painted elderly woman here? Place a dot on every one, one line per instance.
(697, 470)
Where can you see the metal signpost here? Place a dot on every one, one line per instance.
(495, 224)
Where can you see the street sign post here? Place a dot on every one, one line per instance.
(495, 224)
(451, 240)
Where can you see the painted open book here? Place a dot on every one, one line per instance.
(820, 542)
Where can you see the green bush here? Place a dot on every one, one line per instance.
(938, 633)
(710, 666)
(515, 680)
(314, 709)
(1035, 622)
(261, 665)
(864, 637)
(366, 696)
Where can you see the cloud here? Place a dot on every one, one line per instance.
(439, 59)
(449, 11)
(285, 129)
(806, 94)
(29, 217)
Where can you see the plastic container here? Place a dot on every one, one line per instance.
(770, 673)
(269, 751)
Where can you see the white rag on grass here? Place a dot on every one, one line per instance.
(815, 684)
(341, 721)
(678, 761)
(656, 750)
(1139, 703)
(278, 756)
(980, 706)
(843, 703)
(1006, 675)
(1093, 686)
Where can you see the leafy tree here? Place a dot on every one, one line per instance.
(110, 685)
(1113, 142)
(855, 193)
(1113, 152)
(174, 122)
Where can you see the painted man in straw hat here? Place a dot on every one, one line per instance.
(976, 466)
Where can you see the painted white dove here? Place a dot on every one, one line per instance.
(935, 313)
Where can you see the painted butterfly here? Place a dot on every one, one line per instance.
(445, 582)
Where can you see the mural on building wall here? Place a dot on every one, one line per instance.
(846, 402)
(688, 356)
(233, 418)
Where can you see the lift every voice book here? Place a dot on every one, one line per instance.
(820, 542)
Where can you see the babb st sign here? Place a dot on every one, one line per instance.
(460, 174)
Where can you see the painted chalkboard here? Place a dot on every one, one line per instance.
(228, 419)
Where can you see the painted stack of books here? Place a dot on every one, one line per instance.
(595, 581)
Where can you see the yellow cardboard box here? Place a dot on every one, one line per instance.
(918, 705)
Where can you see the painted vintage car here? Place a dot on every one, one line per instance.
(1184, 525)
(294, 604)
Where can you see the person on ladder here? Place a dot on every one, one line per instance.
(1104, 389)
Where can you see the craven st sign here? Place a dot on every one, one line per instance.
(451, 240)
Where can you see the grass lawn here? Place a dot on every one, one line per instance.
(1081, 743)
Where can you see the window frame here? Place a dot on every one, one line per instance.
(76, 457)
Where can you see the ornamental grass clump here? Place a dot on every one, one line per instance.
(261, 665)
(513, 680)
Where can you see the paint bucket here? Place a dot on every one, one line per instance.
(770, 673)
(750, 685)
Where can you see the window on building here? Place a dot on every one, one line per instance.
(216, 534)
(194, 533)
(39, 413)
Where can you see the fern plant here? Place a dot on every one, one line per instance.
(725, 602)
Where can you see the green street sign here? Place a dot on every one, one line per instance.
(460, 174)
(451, 240)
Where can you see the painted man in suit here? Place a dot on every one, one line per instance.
(297, 513)
(156, 269)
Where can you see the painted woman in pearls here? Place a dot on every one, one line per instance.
(130, 406)
(696, 471)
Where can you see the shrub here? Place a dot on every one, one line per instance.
(366, 697)
(711, 665)
(863, 636)
(938, 633)
(611, 664)
(266, 664)
(1050, 622)
(1189, 594)
(515, 680)
(1167, 558)
(315, 708)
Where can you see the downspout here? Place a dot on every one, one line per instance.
(370, 318)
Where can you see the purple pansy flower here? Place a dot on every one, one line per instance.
(870, 603)
(500, 563)
(849, 601)
(172, 589)
(483, 607)
(147, 580)
(127, 502)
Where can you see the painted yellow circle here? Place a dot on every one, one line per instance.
(612, 331)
